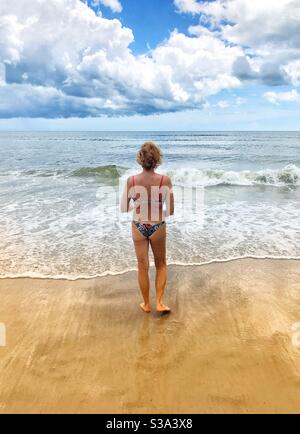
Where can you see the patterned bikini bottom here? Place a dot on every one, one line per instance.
(148, 230)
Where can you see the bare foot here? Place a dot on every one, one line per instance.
(146, 308)
(162, 308)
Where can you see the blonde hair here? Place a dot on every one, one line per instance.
(149, 156)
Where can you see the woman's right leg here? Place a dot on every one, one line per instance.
(158, 245)
(141, 245)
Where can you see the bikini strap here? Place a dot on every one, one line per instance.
(161, 182)
(133, 180)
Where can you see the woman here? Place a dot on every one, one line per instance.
(149, 192)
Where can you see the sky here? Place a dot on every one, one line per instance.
(149, 65)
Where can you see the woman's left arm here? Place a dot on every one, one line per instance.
(170, 197)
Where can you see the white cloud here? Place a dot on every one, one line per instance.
(10, 37)
(114, 5)
(278, 97)
(2, 74)
(267, 30)
(223, 104)
(188, 6)
(63, 60)
(292, 69)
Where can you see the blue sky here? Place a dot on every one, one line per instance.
(150, 65)
(151, 21)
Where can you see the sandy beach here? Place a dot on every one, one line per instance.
(86, 346)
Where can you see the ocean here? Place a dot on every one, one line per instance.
(59, 194)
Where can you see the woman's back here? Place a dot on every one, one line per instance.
(147, 189)
(148, 179)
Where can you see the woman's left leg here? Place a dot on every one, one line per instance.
(141, 245)
(158, 245)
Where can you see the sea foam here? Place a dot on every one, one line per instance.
(289, 175)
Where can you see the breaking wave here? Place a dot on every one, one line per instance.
(289, 175)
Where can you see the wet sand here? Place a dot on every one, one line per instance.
(87, 347)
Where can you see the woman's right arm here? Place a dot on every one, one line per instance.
(125, 201)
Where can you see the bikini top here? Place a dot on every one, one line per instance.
(149, 201)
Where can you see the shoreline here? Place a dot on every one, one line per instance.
(134, 270)
(86, 347)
